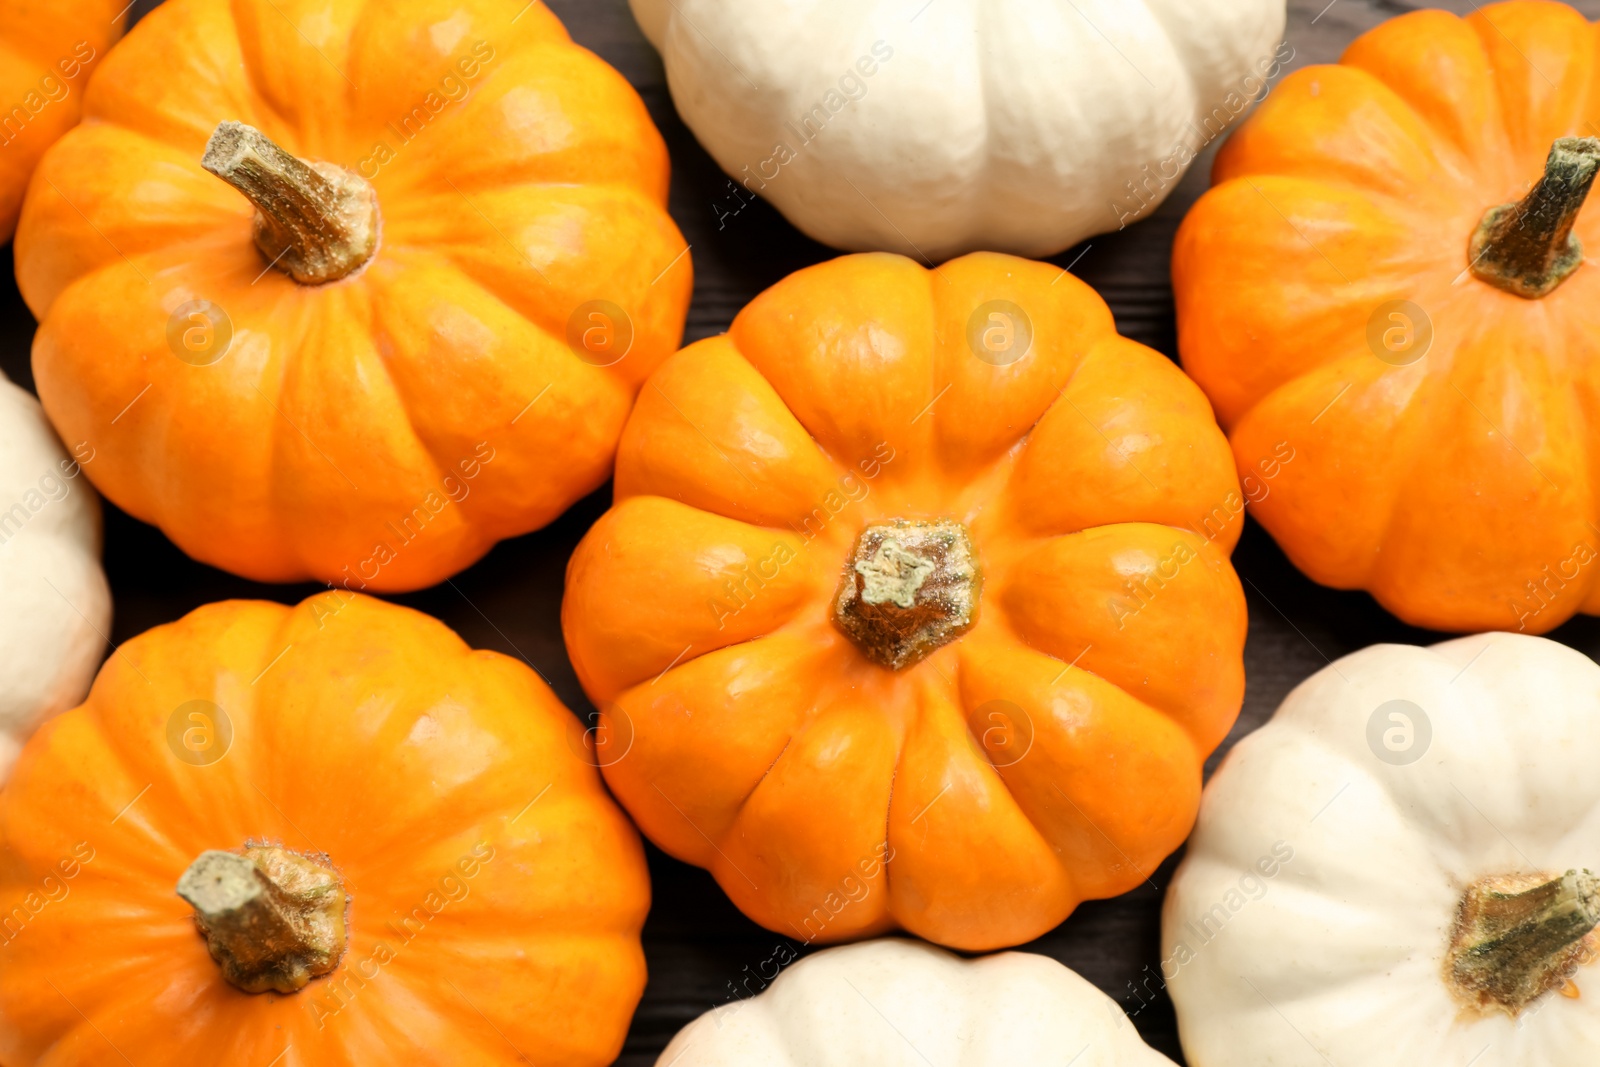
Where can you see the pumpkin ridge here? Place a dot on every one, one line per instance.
(881, 264)
(1392, 45)
(827, 455)
(501, 288)
(1201, 230)
(1458, 408)
(635, 474)
(133, 51)
(1493, 35)
(1005, 627)
(947, 707)
(260, 622)
(1262, 143)
(482, 526)
(280, 471)
(302, 629)
(1414, 455)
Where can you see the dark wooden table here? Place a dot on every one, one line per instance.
(696, 941)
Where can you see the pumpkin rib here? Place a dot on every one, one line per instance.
(1225, 219)
(655, 457)
(442, 425)
(1028, 881)
(823, 794)
(42, 49)
(609, 662)
(1411, 54)
(627, 780)
(1501, 28)
(1404, 553)
(1116, 656)
(207, 37)
(1162, 403)
(1065, 320)
(1265, 149)
(848, 362)
(85, 236)
(1320, 568)
(601, 208)
(630, 143)
(1044, 704)
(389, 432)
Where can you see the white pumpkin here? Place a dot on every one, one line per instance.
(948, 127)
(1379, 875)
(898, 1003)
(55, 605)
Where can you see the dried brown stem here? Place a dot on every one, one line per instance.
(317, 222)
(272, 918)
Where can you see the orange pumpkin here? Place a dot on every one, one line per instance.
(414, 325)
(914, 607)
(394, 842)
(49, 48)
(1389, 279)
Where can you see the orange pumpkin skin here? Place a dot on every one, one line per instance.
(361, 730)
(1456, 486)
(1051, 754)
(386, 429)
(47, 50)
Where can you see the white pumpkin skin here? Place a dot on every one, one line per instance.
(1015, 126)
(1339, 960)
(899, 1003)
(55, 605)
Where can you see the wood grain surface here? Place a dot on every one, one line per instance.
(698, 945)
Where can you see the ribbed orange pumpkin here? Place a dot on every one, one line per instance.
(914, 608)
(424, 336)
(1358, 287)
(397, 839)
(47, 50)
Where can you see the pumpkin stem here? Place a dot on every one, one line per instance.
(272, 918)
(1528, 248)
(908, 589)
(1518, 937)
(317, 222)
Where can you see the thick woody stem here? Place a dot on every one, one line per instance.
(908, 589)
(1519, 937)
(272, 919)
(315, 221)
(1528, 248)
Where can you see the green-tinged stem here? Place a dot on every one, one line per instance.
(1528, 248)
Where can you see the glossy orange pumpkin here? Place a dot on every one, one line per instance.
(914, 608)
(47, 50)
(483, 894)
(1339, 295)
(471, 270)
